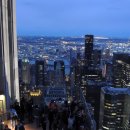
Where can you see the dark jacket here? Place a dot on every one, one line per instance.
(20, 126)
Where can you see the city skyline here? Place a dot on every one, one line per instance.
(54, 76)
(73, 18)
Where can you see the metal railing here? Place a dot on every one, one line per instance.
(90, 119)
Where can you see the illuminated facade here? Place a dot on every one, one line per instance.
(35, 93)
(79, 76)
(114, 109)
(9, 81)
(121, 70)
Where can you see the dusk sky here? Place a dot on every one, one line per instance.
(110, 18)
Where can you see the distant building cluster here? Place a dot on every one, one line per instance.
(93, 70)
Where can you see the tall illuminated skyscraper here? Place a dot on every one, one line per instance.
(121, 70)
(114, 109)
(9, 81)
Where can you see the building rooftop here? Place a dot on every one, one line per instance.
(123, 57)
(95, 83)
(116, 91)
(57, 94)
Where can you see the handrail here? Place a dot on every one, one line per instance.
(87, 111)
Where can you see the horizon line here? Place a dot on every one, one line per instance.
(95, 36)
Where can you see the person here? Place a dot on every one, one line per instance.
(17, 108)
(1, 124)
(70, 122)
(43, 121)
(14, 116)
(22, 109)
(50, 118)
(19, 126)
(29, 107)
(37, 114)
(65, 118)
(7, 128)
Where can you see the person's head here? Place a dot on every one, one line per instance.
(18, 121)
(6, 126)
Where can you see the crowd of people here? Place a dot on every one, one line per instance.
(20, 111)
(64, 117)
(58, 117)
(17, 114)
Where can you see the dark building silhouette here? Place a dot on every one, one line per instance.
(88, 48)
(59, 65)
(50, 77)
(78, 72)
(26, 71)
(107, 72)
(81, 75)
(93, 90)
(121, 70)
(88, 68)
(96, 58)
(39, 72)
(59, 68)
(93, 77)
(20, 70)
(32, 75)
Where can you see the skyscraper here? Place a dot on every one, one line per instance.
(96, 58)
(40, 72)
(8, 52)
(114, 109)
(93, 97)
(25, 71)
(80, 75)
(32, 74)
(121, 70)
(20, 71)
(88, 48)
(59, 68)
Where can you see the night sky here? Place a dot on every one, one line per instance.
(109, 18)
